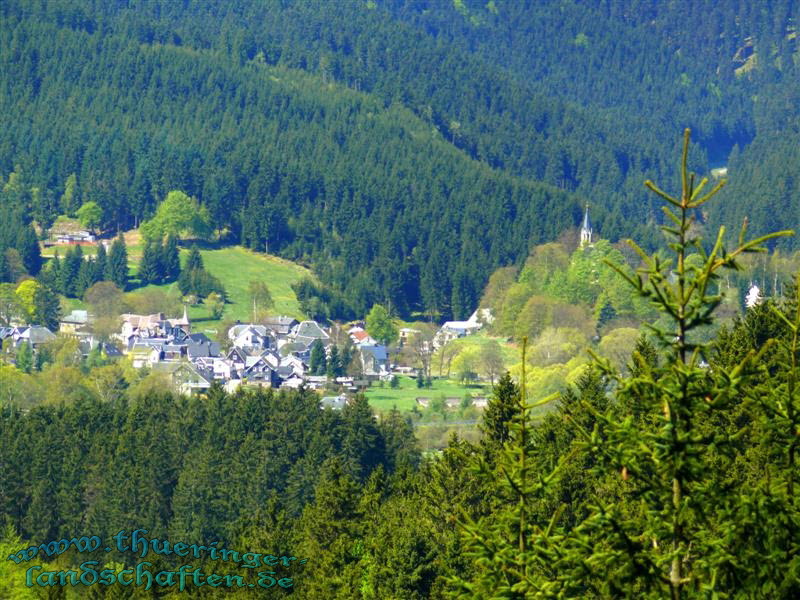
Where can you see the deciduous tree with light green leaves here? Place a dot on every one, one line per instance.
(381, 326)
(68, 200)
(178, 215)
(261, 298)
(39, 303)
(90, 215)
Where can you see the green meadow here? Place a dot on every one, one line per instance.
(236, 267)
(383, 399)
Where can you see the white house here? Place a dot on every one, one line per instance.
(451, 330)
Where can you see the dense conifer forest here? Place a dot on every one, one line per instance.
(426, 156)
(405, 149)
(677, 479)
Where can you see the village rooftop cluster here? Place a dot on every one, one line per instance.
(275, 353)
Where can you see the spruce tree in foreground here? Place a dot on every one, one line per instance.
(29, 251)
(665, 519)
(665, 534)
(499, 413)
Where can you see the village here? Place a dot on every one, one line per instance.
(274, 353)
(277, 352)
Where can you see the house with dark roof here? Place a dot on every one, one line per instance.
(74, 322)
(272, 357)
(197, 349)
(296, 364)
(237, 358)
(307, 332)
(144, 353)
(221, 368)
(260, 373)
(186, 377)
(35, 335)
(280, 326)
(374, 359)
(109, 350)
(154, 325)
(251, 337)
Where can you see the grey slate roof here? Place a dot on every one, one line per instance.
(291, 347)
(110, 349)
(202, 349)
(198, 338)
(377, 351)
(285, 371)
(36, 334)
(237, 330)
(310, 329)
(280, 325)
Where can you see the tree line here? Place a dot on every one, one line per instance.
(675, 479)
(76, 273)
(297, 128)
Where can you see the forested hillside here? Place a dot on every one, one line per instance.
(406, 149)
(669, 472)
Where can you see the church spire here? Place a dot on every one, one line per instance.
(586, 228)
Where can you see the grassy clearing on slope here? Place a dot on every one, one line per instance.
(236, 267)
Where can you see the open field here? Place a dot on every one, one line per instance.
(235, 267)
(382, 399)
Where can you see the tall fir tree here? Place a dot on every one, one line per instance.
(24, 358)
(500, 410)
(68, 273)
(100, 263)
(50, 274)
(47, 308)
(194, 264)
(86, 277)
(117, 263)
(194, 260)
(148, 267)
(334, 367)
(158, 260)
(28, 247)
(4, 274)
(318, 361)
(171, 260)
(362, 445)
(331, 530)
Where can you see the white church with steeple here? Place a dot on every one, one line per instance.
(586, 228)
